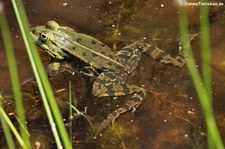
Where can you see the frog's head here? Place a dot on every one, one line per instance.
(45, 37)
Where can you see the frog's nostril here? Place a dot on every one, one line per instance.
(33, 31)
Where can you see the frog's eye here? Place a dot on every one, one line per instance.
(44, 37)
(52, 25)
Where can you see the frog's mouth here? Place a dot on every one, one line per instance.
(37, 41)
(43, 46)
(33, 36)
(49, 51)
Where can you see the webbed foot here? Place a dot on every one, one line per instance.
(134, 102)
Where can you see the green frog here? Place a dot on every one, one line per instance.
(66, 45)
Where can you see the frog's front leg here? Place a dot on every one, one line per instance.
(113, 84)
(56, 66)
(89, 71)
(53, 68)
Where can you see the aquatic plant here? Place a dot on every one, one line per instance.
(202, 85)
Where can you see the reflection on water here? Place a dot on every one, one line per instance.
(170, 115)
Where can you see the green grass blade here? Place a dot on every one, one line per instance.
(204, 98)
(43, 95)
(14, 77)
(84, 115)
(205, 56)
(6, 129)
(205, 47)
(50, 117)
(17, 135)
(70, 111)
(39, 72)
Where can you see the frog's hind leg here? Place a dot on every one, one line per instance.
(113, 84)
(163, 57)
(130, 55)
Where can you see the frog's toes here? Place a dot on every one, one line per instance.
(180, 61)
(107, 122)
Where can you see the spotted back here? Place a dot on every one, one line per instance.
(91, 51)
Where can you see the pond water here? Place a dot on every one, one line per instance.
(170, 116)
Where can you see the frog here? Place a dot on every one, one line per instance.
(110, 68)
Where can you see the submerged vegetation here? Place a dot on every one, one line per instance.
(202, 86)
(42, 81)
